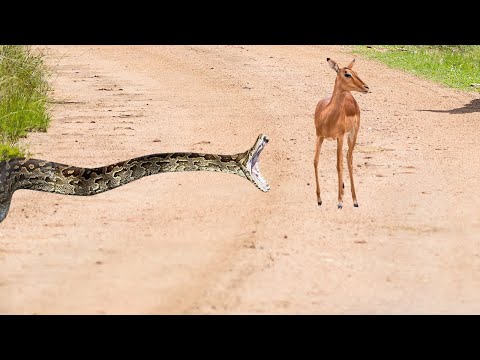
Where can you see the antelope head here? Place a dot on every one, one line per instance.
(347, 79)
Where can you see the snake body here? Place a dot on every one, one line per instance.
(40, 175)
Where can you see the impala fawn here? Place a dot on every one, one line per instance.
(336, 116)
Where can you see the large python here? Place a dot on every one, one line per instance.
(40, 175)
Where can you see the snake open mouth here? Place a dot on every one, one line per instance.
(252, 167)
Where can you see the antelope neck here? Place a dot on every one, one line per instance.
(338, 95)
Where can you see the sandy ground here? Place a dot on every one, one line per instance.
(201, 243)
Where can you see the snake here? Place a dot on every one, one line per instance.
(47, 176)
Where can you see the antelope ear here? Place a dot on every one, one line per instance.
(333, 65)
(351, 64)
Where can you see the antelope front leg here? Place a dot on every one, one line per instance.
(351, 145)
(340, 170)
(318, 147)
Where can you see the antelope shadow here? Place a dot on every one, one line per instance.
(471, 107)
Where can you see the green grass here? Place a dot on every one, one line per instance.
(457, 66)
(23, 96)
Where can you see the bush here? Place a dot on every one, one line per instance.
(23, 96)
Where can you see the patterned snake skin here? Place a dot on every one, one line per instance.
(40, 175)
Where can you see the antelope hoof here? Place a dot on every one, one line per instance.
(340, 205)
(343, 184)
(355, 204)
(320, 203)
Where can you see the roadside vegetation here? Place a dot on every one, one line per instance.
(457, 66)
(24, 93)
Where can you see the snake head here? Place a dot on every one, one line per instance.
(250, 164)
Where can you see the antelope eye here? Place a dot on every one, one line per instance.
(348, 75)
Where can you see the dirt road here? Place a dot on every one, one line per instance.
(201, 243)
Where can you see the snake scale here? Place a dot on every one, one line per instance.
(40, 175)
